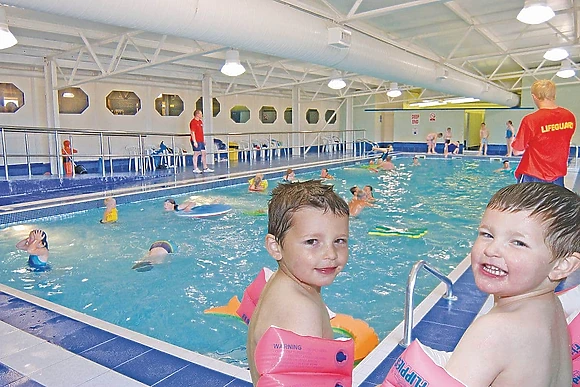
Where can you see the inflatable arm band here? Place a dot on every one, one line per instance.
(415, 368)
(284, 358)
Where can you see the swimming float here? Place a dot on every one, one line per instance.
(111, 217)
(258, 212)
(284, 358)
(205, 210)
(420, 365)
(263, 184)
(365, 338)
(416, 232)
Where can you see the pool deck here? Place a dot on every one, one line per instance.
(43, 344)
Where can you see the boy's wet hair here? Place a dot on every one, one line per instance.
(557, 208)
(287, 199)
(353, 189)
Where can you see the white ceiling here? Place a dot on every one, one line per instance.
(478, 37)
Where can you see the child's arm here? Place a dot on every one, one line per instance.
(23, 244)
(105, 214)
(482, 352)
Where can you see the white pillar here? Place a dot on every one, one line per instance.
(52, 116)
(207, 94)
(296, 115)
(350, 136)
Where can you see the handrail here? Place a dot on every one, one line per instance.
(105, 154)
(408, 325)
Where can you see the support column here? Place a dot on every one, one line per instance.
(207, 94)
(52, 116)
(350, 136)
(296, 127)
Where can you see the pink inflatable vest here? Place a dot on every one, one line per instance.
(284, 358)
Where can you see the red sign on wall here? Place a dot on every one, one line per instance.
(432, 117)
(415, 118)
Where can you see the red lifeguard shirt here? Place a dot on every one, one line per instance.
(545, 137)
(196, 127)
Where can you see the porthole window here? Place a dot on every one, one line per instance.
(125, 103)
(312, 116)
(268, 114)
(288, 115)
(240, 114)
(330, 116)
(169, 105)
(215, 107)
(11, 98)
(72, 100)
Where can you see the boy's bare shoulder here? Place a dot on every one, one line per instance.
(285, 306)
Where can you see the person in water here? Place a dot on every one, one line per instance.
(155, 256)
(171, 205)
(37, 246)
(110, 214)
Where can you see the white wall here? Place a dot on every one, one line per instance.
(428, 121)
(98, 117)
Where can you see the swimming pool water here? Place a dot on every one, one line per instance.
(217, 258)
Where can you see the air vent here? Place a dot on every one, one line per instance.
(339, 37)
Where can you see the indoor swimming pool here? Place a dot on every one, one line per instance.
(216, 258)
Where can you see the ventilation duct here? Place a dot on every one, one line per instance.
(272, 28)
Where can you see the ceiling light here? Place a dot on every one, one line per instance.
(462, 100)
(427, 103)
(336, 82)
(68, 94)
(556, 54)
(535, 12)
(233, 67)
(394, 91)
(6, 38)
(566, 70)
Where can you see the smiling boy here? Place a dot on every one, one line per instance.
(528, 241)
(308, 237)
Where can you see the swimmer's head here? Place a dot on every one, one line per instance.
(287, 199)
(506, 163)
(110, 202)
(556, 208)
(169, 205)
(66, 143)
(42, 236)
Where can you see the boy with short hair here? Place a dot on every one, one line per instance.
(528, 241)
(309, 257)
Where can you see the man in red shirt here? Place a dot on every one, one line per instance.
(544, 138)
(198, 142)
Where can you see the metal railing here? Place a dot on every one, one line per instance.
(576, 158)
(29, 145)
(408, 324)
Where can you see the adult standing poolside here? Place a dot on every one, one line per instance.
(198, 142)
(544, 138)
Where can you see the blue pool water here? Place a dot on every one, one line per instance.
(217, 258)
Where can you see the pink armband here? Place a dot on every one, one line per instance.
(252, 295)
(284, 358)
(414, 368)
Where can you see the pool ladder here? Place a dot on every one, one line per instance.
(411, 290)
